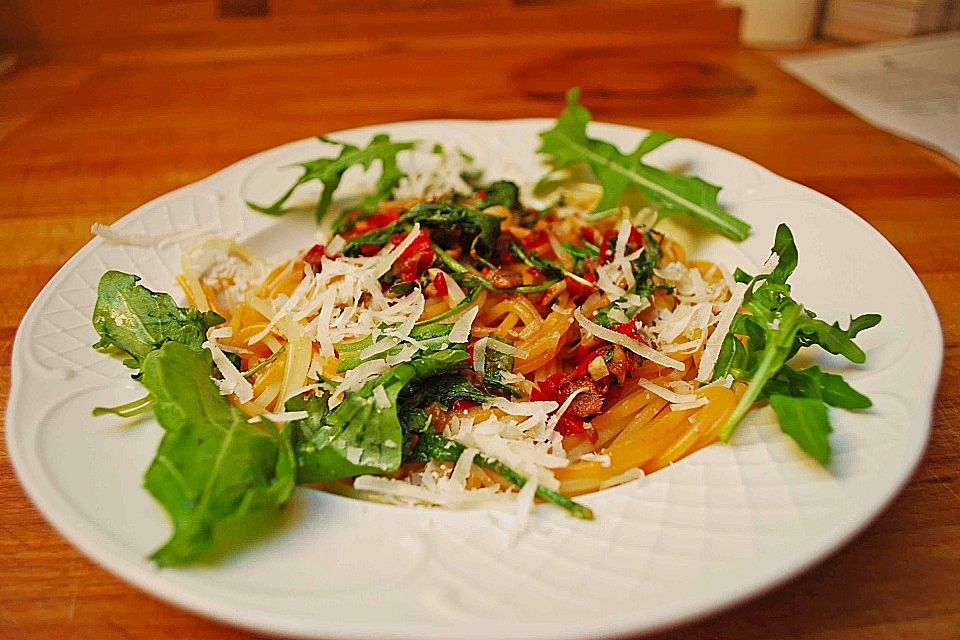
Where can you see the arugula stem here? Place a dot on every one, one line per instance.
(463, 304)
(774, 355)
(129, 409)
(575, 509)
(433, 446)
(449, 261)
(260, 365)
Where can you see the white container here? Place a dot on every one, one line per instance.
(776, 24)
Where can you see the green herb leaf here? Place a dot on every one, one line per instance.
(213, 468)
(814, 383)
(329, 172)
(567, 143)
(137, 321)
(451, 224)
(358, 437)
(774, 328)
(501, 192)
(805, 420)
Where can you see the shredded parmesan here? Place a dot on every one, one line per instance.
(626, 341)
(380, 397)
(712, 349)
(233, 381)
(114, 236)
(506, 349)
(603, 459)
(626, 476)
(460, 332)
(666, 394)
(283, 416)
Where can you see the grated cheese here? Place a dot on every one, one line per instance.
(233, 382)
(380, 397)
(626, 341)
(668, 395)
(715, 342)
(282, 416)
(603, 459)
(114, 236)
(460, 332)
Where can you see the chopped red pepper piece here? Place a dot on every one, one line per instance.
(416, 258)
(463, 405)
(569, 425)
(577, 288)
(629, 329)
(583, 363)
(534, 240)
(375, 221)
(440, 284)
(314, 256)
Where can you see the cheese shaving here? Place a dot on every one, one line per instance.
(283, 416)
(115, 236)
(666, 394)
(460, 332)
(233, 382)
(626, 342)
(712, 349)
(380, 397)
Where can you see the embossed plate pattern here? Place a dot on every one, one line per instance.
(703, 534)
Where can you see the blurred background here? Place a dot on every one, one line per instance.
(80, 27)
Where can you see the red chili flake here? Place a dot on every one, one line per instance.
(440, 284)
(480, 195)
(314, 256)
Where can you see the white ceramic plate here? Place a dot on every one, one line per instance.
(721, 525)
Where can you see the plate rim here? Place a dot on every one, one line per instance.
(151, 581)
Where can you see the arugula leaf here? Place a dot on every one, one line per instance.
(445, 389)
(433, 337)
(805, 420)
(814, 383)
(431, 446)
(775, 327)
(567, 143)
(329, 172)
(500, 192)
(358, 437)
(137, 320)
(213, 468)
(498, 363)
(452, 224)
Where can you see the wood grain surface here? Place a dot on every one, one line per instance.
(91, 127)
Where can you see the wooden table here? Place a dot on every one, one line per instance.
(94, 129)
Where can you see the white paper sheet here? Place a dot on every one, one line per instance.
(909, 88)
